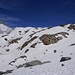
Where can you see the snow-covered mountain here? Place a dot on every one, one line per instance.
(4, 30)
(37, 51)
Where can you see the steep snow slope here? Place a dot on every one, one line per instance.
(4, 30)
(38, 51)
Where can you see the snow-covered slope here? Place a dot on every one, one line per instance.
(4, 30)
(38, 51)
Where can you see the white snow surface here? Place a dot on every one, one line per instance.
(12, 52)
(4, 30)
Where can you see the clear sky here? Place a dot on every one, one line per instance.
(37, 12)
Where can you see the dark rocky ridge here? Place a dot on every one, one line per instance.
(51, 38)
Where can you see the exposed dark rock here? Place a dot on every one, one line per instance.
(6, 39)
(65, 59)
(4, 46)
(12, 62)
(26, 50)
(59, 38)
(23, 56)
(62, 64)
(1, 73)
(32, 63)
(63, 34)
(62, 25)
(36, 32)
(27, 42)
(46, 50)
(48, 39)
(20, 32)
(24, 45)
(26, 31)
(51, 38)
(14, 40)
(6, 72)
(72, 26)
(55, 51)
(4, 35)
(35, 62)
(33, 45)
(72, 44)
(7, 50)
(20, 66)
(17, 59)
(33, 38)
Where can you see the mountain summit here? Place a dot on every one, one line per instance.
(37, 51)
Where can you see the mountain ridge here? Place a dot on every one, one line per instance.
(40, 51)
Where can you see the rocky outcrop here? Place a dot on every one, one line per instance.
(72, 26)
(33, 63)
(33, 45)
(48, 39)
(27, 42)
(63, 34)
(62, 25)
(72, 44)
(26, 50)
(65, 59)
(11, 63)
(6, 72)
(52, 38)
(14, 40)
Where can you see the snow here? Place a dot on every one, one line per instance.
(4, 30)
(41, 52)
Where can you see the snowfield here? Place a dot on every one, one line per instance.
(37, 51)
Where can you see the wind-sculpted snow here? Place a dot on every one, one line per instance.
(37, 51)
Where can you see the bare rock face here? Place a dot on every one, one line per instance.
(52, 38)
(45, 39)
(48, 39)
(72, 26)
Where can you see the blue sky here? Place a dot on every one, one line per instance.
(37, 13)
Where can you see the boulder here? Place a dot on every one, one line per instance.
(65, 59)
(48, 39)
